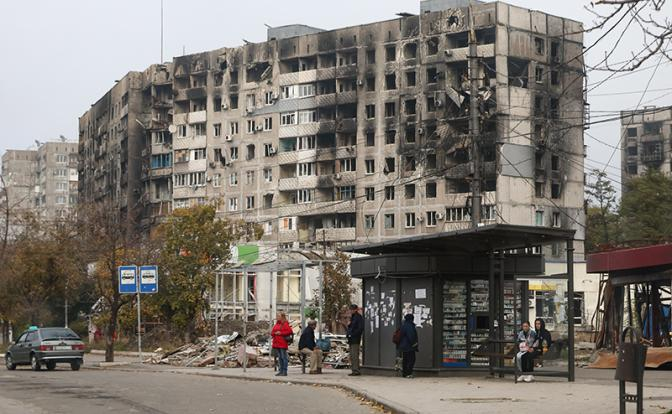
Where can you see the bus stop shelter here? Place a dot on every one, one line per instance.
(446, 280)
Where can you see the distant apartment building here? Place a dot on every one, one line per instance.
(646, 141)
(42, 181)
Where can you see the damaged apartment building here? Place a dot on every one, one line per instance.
(359, 134)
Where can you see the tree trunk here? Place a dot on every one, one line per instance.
(110, 331)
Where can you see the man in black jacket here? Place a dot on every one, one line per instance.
(408, 345)
(309, 349)
(355, 330)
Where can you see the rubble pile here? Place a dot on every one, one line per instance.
(231, 351)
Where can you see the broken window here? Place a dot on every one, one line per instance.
(432, 75)
(370, 84)
(250, 152)
(390, 81)
(389, 192)
(555, 163)
(258, 71)
(431, 161)
(653, 128)
(539, 45)
(409, 191)
(555, 51)
(410, 78)
(538, 105)
(233, 77)
(370, 193)
(632, 151)
(433, 46)
(409, 163)
(555, 190)
(555, 108)
(555, 78)
(431, 104)
(409, 106)
(518, 72)
(539, 74)
(370, 139)
(389, 221)
(217, 104)
(410, 134)
(389, 165)
(632, 169)
(371, 56)
(233, 101)
(430, 190)
(370, 111)
(390, 53)
(632, 132)
(390, 109)
(410, 50)
(539, 190)
(390, 136)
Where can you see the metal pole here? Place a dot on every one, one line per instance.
(139, 327)
(245, 321)
(570, 307)
(217, 298)
(302, 296)
(321, 299)
(66, 311)
(474, 123)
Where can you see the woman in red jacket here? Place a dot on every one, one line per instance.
(280, 330)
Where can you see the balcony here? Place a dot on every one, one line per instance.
(346, 125)
(346, 71)
(318, 208)
(161, 148)
(654, 157)
(292, 157)
(335, 234)
(161, 172)
(287, 131)
(188, 192)
(191, 166)
(196, 117)
(294, 78)
(288, 236)
(197, 141)
(346, 97)
(328, 99)
(326, 73)
(294, 183)
(462, 53)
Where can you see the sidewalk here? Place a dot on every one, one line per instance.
(594, 392)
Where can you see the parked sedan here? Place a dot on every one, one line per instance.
(39, 347)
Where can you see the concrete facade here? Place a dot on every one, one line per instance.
(646, 141)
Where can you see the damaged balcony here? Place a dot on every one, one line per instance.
(318, 208)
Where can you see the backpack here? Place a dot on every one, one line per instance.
(289, 339)
(396, 337)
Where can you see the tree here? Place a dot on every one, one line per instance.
(646, 208)
(601, 218)
(337, 290)
(196, 245)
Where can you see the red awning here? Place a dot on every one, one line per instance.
(629, 259)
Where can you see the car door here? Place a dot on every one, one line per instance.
(19, 350)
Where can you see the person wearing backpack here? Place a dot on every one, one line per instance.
(282, 336)
(408, 345)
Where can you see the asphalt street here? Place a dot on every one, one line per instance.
(97, 391)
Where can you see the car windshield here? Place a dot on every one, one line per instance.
(58, 333)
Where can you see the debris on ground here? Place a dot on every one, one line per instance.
(257, 345)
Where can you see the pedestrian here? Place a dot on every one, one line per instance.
(408, 345)
(527, 344)
(281, 333)
(354, 335)
(308, 348)
(544, 340)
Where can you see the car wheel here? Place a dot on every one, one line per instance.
(51, 366)
(9, 362)
(35, 363)
(75, 365)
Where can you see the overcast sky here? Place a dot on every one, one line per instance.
(58, 57)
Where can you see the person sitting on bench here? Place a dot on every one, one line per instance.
(527, 344)
(544, 338)
(308, 348)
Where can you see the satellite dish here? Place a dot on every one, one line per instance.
(172, 129)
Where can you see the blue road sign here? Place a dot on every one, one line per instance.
(128, 279)
(149, 279)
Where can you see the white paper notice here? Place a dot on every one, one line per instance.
(421, 293)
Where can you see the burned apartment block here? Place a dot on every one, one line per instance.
(362, 133)
(125, 148)
(646, 141)
(355, 134)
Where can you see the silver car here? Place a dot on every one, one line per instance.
(39, 347)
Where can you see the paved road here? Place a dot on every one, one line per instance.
(97, 391)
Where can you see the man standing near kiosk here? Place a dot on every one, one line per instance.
(355, 330)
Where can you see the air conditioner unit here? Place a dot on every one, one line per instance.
(276, 96)
(337, 176)
(259, 128)
(212, 164)
(225, 107)
(228, 138)
(419, 218)
(208, 179)
(421, 131)
(360, 82)
(271, 151)
(448, 53)
(439, 216)
(438, 103)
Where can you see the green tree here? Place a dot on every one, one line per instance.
(196, 245)
(601, 220)
(337, 290)
(646, 208)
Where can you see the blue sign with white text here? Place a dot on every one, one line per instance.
(128, 279)
(149, 279)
